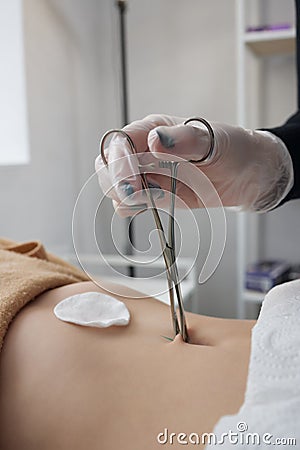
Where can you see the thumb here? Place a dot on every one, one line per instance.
(180, 142)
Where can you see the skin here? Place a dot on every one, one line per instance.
(63, 386)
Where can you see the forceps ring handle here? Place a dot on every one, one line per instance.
(105, 136)
(203, 160)
(208, 156)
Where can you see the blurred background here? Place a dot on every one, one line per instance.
(60, 90)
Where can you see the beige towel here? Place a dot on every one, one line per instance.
(26, 271)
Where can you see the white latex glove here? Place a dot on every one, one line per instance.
(249, 169)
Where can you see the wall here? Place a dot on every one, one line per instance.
(182, 62)
(69, 89)
(36, 198)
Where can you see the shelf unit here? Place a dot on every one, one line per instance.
(261, 44)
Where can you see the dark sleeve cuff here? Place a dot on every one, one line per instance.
(289, 133)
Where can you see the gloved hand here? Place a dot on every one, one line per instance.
(249, 169)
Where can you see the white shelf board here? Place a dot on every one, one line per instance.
(122, 261)
(271, 42)
(157, 289)
(253, 296)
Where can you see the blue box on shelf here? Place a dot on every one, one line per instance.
(263, 275)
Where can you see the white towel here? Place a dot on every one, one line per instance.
(270, 415)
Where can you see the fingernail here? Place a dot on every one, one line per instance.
(127, 188)
(153, 185)
(158, 192)
(165, 139)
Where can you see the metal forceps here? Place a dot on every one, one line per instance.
(168, 244)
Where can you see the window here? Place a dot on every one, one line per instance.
(13, 114)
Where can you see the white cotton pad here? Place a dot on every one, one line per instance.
(92, 309)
